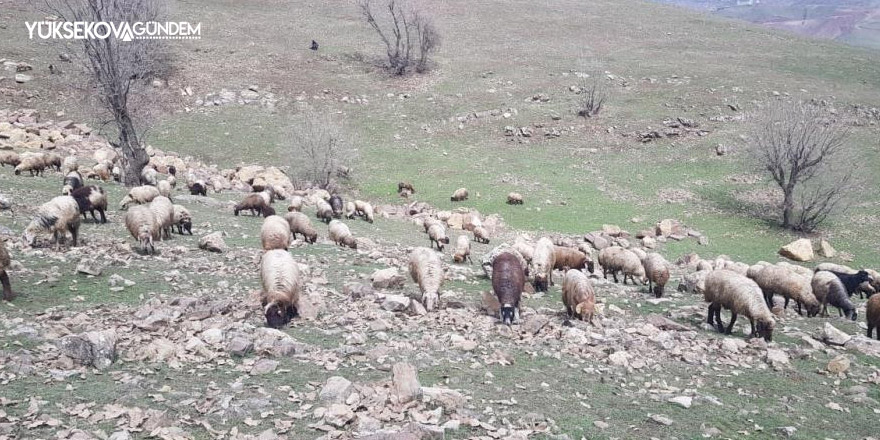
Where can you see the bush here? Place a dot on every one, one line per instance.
(408, 33)
(319, 151)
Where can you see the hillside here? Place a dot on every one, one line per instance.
(496, 114)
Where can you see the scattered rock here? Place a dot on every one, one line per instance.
(787, 431)
(94, 349)
(387, 278)
(264, 366)
(406, 382)
(798, 250)
(239, 346)
(89, 267)
(826, 250)
(395, 303)
(338, 415)
(22, 78)
(336, 390)
(778, 359)
(534, 323)
(213, 242)
(662, 420)
(840, 364)
(682, 401)
(601, 425)
(831, 335)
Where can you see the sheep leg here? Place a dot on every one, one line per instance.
(614, 274)
(752, 323)
(9, 295)
(732, 321)
(650, 286)
(74, 232)
(785, 304)
(568, 313)
(768, 298)
(799, 309)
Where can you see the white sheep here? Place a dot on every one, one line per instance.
(459, 195)
(58, 217)
(275, 233)
(776, 280)
(542, 263)
(740, 295)
(341, 235)
(182, 219)
(462, 250)
(139, 195)
(163, 211)
(282, 284)
(426, 270)
(437, 234)
(142, 225)
(301, 224)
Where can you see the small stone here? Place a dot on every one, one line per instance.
(387, 278)
(406, 382)
(395, 303)
(22, 78)
(840, 364)
(94, 349)
(798, 250)
(831, 335)
(213, 242)
(682, 401)
(338, 415)
(619, 358)
(533, 324)
(826, 250)
(601, 425)
(663, 420)
(787, 431)
(336, 390)
(264, 366)
(778, 359)
(212, 336)
(240, 346)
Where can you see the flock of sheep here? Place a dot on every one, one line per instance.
(742, 289)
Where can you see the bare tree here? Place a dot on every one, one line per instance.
(804, 153)
(319, 150)
(404, 30)
(117, 69)
(591, 97)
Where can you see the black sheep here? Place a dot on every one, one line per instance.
(852, 281)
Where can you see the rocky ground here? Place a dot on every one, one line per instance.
(105, 343)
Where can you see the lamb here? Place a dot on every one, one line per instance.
(296, 204)
(324, 211)
(69, 164)
(350, 210)
(541, 267)
(337, 205)
(142, 225)
(182, 219)
(514, 199)
(462, 250)
(9, 158)
(617, 259)
(34, 164)
(657, 272)
(256, 204)
(437, 234)
(58, 216)
(830, 289)
(275, 233)
(100, 172)
(872, 313)
(405, 186)
(427, 271)
(6, 262)
(508, 281)
(566, 258)
(299, 223)
(740, 295)
(139, 195)
(364, 209)
(481, 235)
(578, 295)
(199, 188)
(459, 195)
(341, 235)
(90, 199)
(164, 188)
(791, 286)
(149, 176)
(163, 212)
(282, 284)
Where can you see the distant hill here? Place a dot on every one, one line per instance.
(856, 22)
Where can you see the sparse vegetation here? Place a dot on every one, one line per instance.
(591, 97)
(320, 153)
(806, 154)
(407, 31)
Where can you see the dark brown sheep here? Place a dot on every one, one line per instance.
(568, 258)
(872, 315)
(508, 280)
(256, 204)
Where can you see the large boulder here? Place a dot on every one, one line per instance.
(93, 349)
(798, 250)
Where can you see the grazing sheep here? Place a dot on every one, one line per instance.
(69, 164)
(830, 289)
(90, 199)
(872, 314)
(324, 211)
(566, 258)
(198, 188)
(704, 265)
(735, 266)
(405, 194)
(657, 272)
(256, 204)
(34, 164)
(437, 234)
(53, 160)
(139, 195)
(337, 205)
(101, 172)
(300, 223)
(405, 186)
(617, 259)
(149, 176)
(350, 210)
(9, 158)
(164, 188)
(578, 295)
(514, 199)
(639, 252)
(481, 235)
(142, 225)
(364, 209)
(427, 271)
(462, 250)
(853, 280)
(341, 235)
(58, 216)
(296, 204)
(459, 195)
(798, 269)
(163, 212)
(775, 280)
(282, 283)
(740, 295)
(832, 267)
(508, 281)
(182, 220)
(6, 262)
(541, 267)
(275, 233)
(427, 222)
(524, 248)
(73, 180)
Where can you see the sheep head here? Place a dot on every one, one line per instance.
(585, 310)
(277, 315)
(145, 239)
(764, 329)
(508, 314)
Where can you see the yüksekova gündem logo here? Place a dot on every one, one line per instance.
(123, 31)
